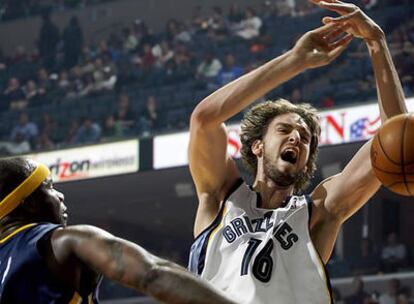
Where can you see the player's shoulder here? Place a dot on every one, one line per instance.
(79, 231)
(65, 240)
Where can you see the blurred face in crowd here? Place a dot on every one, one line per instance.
(151, 103)
(13, 84)
(31, 86)
(23, 119)
(42, 74)
(230, 60)
(123, 101)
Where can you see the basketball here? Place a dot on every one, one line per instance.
(392, 154)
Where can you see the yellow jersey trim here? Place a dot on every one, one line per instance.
(16, 232)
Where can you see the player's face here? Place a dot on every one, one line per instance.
(286, 146)
(52, 207)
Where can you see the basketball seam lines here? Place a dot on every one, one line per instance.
(400, 182)
(385, 152)
(389, 172)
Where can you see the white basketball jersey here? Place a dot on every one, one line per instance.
(262, 256)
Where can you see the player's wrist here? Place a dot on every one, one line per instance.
(376, 35)
(297, 60)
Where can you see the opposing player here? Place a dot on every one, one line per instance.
(44, 261)
(264, 243)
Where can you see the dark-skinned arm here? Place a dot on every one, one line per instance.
(132, 266)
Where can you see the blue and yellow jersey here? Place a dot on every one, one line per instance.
(24, 275)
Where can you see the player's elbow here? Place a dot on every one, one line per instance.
(199, 117)
(203, 116)
(155, 279)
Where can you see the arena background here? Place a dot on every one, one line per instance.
(138, 186)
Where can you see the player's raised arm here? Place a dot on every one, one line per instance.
(338, 197)
(131, 265)
(212, 169)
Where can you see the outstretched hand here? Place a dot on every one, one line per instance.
(322, 45)
(359, 24)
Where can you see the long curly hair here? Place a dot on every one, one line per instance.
(254, 126)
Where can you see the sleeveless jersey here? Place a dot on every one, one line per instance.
(24, 276)
(262, 256)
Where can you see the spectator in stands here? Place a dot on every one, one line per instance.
(130, 40)
(358, 294)
(48, 131)
(111, 129)
(123, 114)
(390, 297)
(18, 146)
(176, 32)
(198, 21)
(216, 25)
(44, 84)
(234, 16)
(296, 96)
(32, 95)
(147, 59)
(209, 68)
(89, 132)
(366, 261)
(14, 95)
(150, 120)
(20, 56)
(162, 53)
(142, 32)
(72, 42)
(44, 142)
(48, 40)
(71, 132)
(25, 130)
(63, 83)
(249, 27)
(286, 7)
(229, 72)
(393, 254)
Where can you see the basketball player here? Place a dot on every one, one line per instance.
(265, 243)
(44, 261)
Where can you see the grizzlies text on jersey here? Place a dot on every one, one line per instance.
(262, 256)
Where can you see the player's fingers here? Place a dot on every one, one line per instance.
(339, 46)
(325, 29)
(340, 8)
(340, 19)
(334, 34)
(317, 1)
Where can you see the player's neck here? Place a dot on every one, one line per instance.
(272, 195)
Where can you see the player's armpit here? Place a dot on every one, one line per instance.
(345, 193)
(131, 265)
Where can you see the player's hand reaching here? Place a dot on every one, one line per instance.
(322, 45)
(359, 24)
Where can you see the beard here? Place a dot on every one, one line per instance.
(280, 178)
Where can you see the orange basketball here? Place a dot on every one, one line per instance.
(392, 154)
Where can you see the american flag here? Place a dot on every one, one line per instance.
(364, 128)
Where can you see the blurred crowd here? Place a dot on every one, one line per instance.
(136, 82)
(15, 9)
(395, 293)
